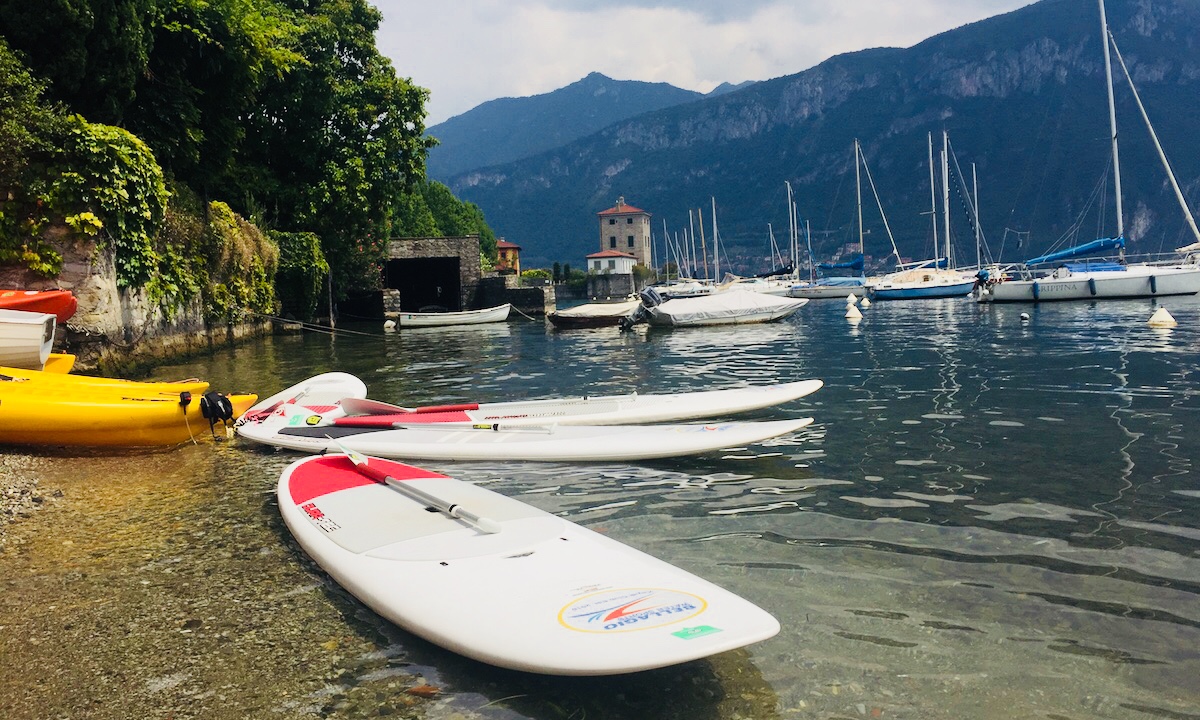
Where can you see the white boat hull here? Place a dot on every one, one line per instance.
(825, 292)
(1136, 281)
(26, 338)
(465, 317)
(921, 284)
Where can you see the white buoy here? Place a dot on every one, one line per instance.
(866, 302)
(851, 299)
(1024, 317)
(1162, 318)
(389, 325)
(852, 313)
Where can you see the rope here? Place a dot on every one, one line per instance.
(527, 317)
(332, 330)
(312, 326)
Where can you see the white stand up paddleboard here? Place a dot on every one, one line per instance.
(500, 581)
(631, 409)
(297, 428)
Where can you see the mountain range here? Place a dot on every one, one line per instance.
(508, 129)
(1021, 96)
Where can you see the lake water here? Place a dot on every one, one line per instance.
(989, 518)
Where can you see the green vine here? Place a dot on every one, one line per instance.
(302, 272)
(240, 267)
(111, 173)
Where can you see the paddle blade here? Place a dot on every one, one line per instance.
(355, 457)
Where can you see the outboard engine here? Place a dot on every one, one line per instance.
(650, 297)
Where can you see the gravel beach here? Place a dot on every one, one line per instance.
(19, 495)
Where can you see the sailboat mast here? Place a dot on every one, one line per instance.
(946, 193)
(933, 213)
(666, 251)
(1112, 120)
(858, 192)
(703, 242)
(978, 229)
(791, 226)
(716, 248)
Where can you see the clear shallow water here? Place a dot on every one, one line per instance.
(989, 518)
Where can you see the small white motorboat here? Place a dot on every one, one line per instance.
(26, 338)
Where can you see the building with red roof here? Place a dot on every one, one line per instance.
(508, 256)
(626, 229)
(611, 262)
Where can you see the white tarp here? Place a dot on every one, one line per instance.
(590, 310)
(724, 308)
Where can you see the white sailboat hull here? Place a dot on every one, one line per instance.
(1135, 281)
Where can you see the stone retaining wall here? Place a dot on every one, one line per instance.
(116, 329)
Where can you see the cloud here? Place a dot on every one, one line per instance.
(470, 51)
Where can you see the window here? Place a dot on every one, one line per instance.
(630, 240)
(612, 264)
(612, 221)
(612, 241)
(628, 221)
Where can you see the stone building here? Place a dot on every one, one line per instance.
(508, 257)
(626, 229)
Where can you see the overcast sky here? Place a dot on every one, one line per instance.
(467, 52)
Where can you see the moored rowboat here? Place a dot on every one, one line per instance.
(464, 317)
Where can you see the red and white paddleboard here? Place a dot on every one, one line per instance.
(500, 581)
(321, 392)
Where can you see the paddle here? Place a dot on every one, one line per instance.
(363, 406)
(363, 464)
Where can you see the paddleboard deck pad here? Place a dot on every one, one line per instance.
(541, 594)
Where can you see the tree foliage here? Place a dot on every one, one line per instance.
(27, 124)
(281, 111)
(431, 210)
(93, 52)
(207, 62)
(335, 139)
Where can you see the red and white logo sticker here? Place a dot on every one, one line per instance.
(319, 518)
(630, 609)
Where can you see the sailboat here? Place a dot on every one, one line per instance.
(826, 286)
(937, 277)
(1106, 279)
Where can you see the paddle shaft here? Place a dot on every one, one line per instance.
(452, 509)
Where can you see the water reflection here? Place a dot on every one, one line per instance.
(990, 518)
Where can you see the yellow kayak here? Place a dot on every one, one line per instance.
(33, 412)
(88, 386)
(59, 363)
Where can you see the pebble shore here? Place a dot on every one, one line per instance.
(18, 497)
